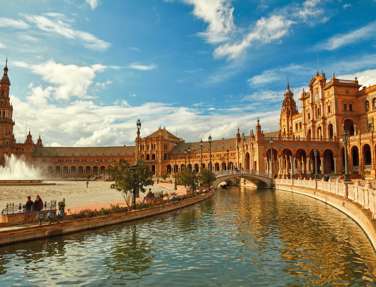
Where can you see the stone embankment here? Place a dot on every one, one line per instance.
(19, 234)
(358, 202)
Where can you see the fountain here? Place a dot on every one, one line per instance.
(16, 171)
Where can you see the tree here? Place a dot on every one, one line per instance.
(206, 177)
(187, 178)
(131, 179)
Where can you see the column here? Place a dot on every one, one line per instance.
(335, 164)
(321, 165)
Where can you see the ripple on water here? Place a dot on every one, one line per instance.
(239, 238)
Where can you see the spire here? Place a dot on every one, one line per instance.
(5, 79)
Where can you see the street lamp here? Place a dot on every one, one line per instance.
(138, 124)
(272, 157)
(346, 177)
(210, 155)
(189, 158)
(315, 152)
(201, 146)
(228, 159)
(185, 157)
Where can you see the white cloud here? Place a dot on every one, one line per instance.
(222, 32)
(340, 40)
(2, 45)
(280, 74)
(310, 10)
(64, 81)
(266, 30)
(265, 95)
(92, 3)
(12, 23)
(59, 26)
(218, 14)
(142, 67)
(365, 78)
(86, 123)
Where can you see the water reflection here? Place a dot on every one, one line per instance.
(239, 238)
(130, 254)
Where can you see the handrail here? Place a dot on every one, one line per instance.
(363, 195)
(301, 139)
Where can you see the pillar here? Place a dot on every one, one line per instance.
(321, 165)
(335, 164)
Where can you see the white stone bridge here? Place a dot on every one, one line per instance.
(261, 180)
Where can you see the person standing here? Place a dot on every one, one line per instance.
(37, 207)
(29, 204)
(38, 204)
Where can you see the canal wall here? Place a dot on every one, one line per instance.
(14, 235)
(362, 216)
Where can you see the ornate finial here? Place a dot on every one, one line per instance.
(6, 66)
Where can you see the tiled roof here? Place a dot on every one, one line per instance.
(216, 146)
(164, 133)
(84, 151)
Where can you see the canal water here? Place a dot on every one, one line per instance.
(237, 238)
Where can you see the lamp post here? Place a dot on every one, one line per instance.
(138, 124)
(210, 155)
(201, 146)
(316, 175)
(189, 156)
(228, 159)
(185, 157)
(272, 157)
(346, 177)
(315, 152)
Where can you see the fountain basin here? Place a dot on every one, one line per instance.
(23, 182)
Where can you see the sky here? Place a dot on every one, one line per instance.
(83, 71)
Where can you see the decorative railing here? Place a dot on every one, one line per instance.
(363, 195)
(241, 173)
(300, 139)
(14, 208)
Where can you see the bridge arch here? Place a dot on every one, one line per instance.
(259, 180)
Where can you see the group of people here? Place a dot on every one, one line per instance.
(36, 205)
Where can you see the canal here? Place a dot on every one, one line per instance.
(237, 238)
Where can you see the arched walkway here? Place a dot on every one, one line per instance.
(272, 162)
(367, 156)
(223, 166)
(355, 158)
(301, 162)
(247, 162)
(328, 162)
(330, 132)
(315, 162)
(348, 125)
(169, 169)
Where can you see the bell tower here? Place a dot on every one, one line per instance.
(6, 111)
(288, 110)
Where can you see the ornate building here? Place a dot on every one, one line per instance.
(308, 141)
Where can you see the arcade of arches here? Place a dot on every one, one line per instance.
(309, 141)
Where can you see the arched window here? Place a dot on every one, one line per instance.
(366, 106)
(374, 103)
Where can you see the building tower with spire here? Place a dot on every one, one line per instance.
(288, 110)
(6, 111)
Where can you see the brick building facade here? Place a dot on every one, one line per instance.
(308, 140)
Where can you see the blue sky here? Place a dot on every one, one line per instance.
(82, 72)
